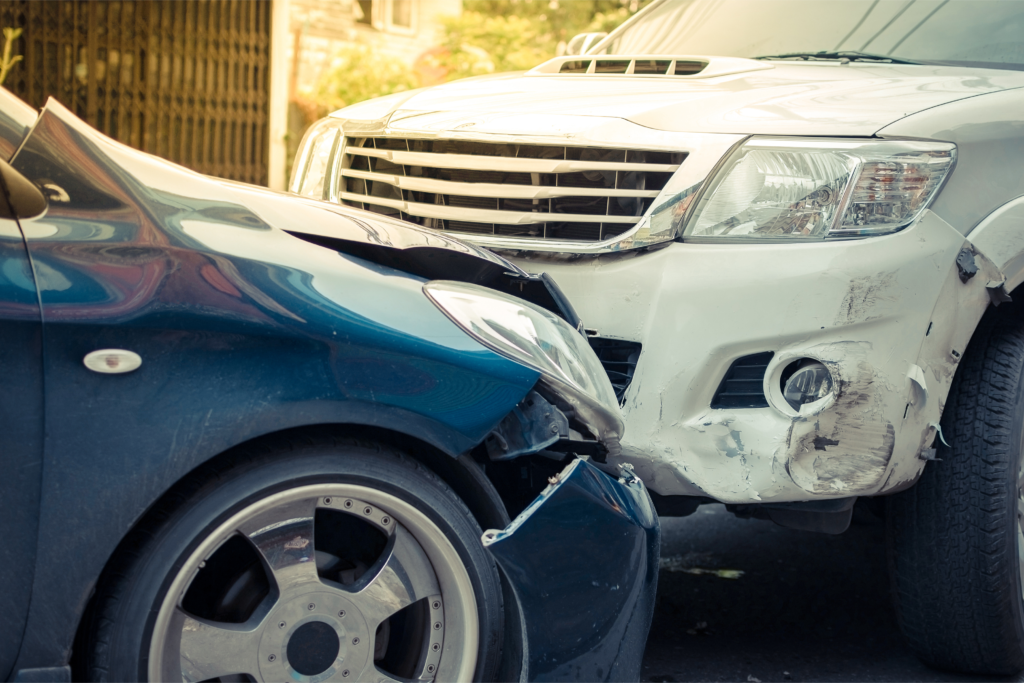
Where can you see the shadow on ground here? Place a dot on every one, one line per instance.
(808, 607)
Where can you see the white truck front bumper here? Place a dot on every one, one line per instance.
(889, 316)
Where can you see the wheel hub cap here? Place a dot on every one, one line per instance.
(313, 637)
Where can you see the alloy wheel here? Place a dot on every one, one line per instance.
(330, 582)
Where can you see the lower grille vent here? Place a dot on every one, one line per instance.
(619, 358)
(743, 384)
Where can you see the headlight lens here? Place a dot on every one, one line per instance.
(314, 159)
(525, 333)
(813, 189)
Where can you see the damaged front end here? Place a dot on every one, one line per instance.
(573, 408)
(582, 560)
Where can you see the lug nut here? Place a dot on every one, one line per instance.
(348, 503)
(385, 520)
(435, 647)
(367, 510)
(327, 501)
(437, 625)
(430, 668)
(436, 604)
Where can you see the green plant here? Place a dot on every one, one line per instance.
(606, 22)
(358, 73)
(513, 35)
(477, 44)
(7, 61)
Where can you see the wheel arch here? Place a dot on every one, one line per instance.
(461, 472)
(974, 288)
(1000, 237)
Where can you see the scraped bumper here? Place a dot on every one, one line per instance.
(583, 563)
(890, 317)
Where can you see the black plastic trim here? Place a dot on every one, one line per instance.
(743, 384)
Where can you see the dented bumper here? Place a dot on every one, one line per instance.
(582, 560)
(889, 316)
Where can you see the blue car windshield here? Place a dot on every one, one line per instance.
(979, 33)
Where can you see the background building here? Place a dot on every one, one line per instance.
(402, 28)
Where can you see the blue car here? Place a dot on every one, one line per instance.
(250, 436)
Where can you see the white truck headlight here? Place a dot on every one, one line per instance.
(538, 339)
(789, 188)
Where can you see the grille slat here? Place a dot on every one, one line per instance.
(482, 215)
(469, 189)
(486, 163)
(527, 191)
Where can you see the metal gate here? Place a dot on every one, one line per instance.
(188, 81)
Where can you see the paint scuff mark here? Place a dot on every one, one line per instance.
(821, 442)
(863, 297)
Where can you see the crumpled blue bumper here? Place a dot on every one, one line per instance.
(583, 562)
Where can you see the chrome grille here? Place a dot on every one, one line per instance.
(538, 191)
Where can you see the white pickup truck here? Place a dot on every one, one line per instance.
(795, 233)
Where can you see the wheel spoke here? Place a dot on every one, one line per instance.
(284, 537)
(404, 576)
(1020, 511)
(210, 649)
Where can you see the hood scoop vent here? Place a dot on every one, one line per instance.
(657, 66)
(637, 67)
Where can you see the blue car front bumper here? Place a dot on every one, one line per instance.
(583, 563)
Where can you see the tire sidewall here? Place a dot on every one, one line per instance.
(1014, 465)
(171, 544)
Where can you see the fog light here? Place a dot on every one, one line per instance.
(808, 382)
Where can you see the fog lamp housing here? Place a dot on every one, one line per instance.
(806, 381)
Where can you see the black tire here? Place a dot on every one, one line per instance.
(953, 537)
(142, 578)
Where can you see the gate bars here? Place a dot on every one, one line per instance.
(187, 81)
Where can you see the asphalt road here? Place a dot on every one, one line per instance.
(808, 607)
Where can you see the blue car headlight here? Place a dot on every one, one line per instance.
(538, 339)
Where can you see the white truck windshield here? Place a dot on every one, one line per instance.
(980, 33)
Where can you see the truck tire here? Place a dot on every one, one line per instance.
(955, 540)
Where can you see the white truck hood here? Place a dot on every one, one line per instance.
(772, 98)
